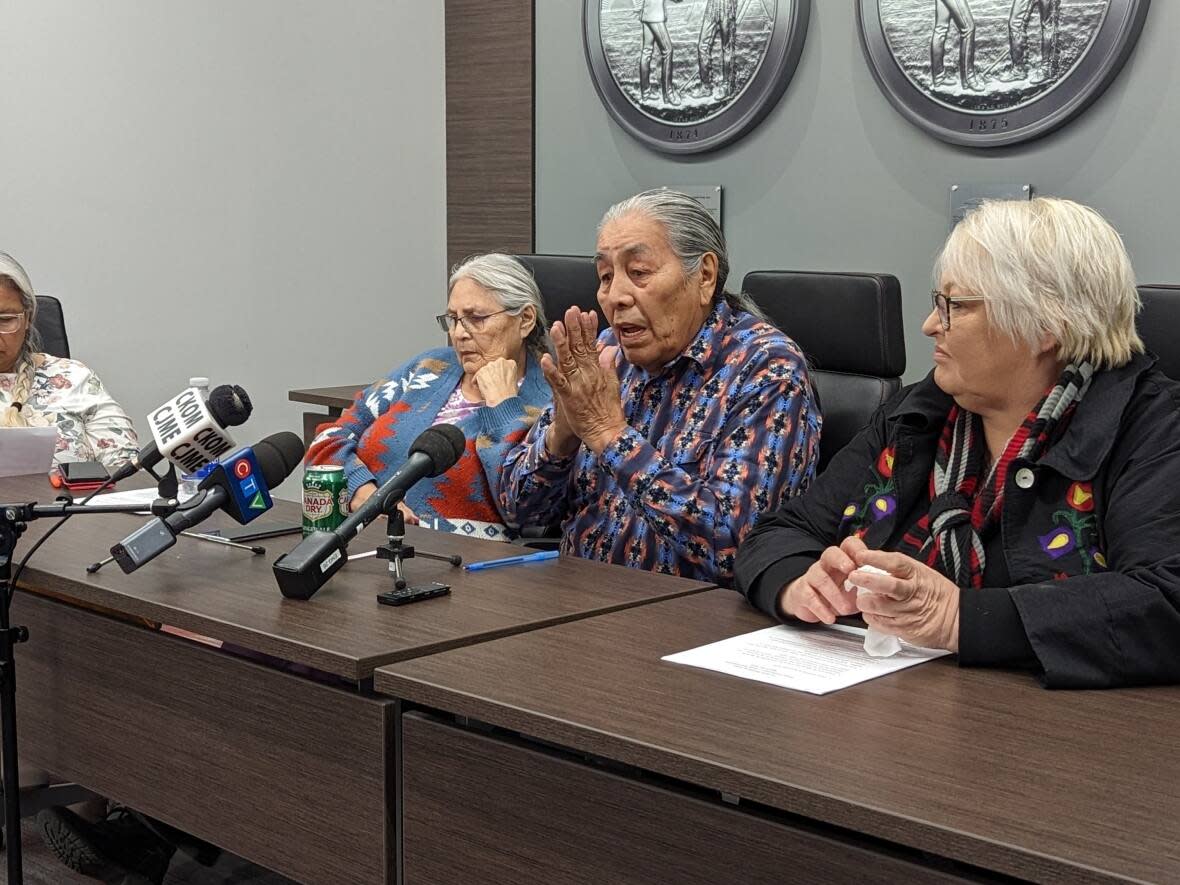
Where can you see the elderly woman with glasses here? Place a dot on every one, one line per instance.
(40, 390)
(488, 382)
(1022, 502)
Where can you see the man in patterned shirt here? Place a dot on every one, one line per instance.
(688, 416)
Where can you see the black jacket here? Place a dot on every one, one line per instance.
(1087, 556)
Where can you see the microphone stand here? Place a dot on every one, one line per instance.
(397, 550)
(14, 519)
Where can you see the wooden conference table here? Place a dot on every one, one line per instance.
(293, 770)
(579, 756)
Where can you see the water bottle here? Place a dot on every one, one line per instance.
(189, 481)
(202, 384)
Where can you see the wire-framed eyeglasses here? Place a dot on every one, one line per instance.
(943, 303)
(472, 322)
(11, 322)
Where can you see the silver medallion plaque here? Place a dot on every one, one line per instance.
(686, 76)
(986, 73)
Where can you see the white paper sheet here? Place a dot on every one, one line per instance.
(25, 450)
(132, 498)
(817, 661)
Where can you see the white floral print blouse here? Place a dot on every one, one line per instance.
(91, 426)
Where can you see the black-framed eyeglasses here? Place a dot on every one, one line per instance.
(473, 322)
(943, 303)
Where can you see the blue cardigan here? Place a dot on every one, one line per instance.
(372, 439)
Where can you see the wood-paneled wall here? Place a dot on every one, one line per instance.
(489, 69)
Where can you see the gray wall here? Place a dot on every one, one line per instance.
(835, 179)
(253, 191)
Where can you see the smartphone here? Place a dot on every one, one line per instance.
(83, 474)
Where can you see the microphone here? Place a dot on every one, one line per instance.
(240, 485)
(320, 555)
(189, 431)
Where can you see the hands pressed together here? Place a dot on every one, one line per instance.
(913, 601)
(586, 400)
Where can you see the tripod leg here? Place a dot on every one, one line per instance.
(8, 638)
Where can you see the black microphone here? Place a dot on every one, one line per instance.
(190, 432)
(320, 555)
(235, 491)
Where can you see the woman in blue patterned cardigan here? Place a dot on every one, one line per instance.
(489, 383)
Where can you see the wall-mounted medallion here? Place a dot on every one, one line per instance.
(685, 76)
(994, 72)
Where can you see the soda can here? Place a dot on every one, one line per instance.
(323, 489)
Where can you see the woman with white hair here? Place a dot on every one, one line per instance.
(40, 390)
(1023, 501)
(488, 382)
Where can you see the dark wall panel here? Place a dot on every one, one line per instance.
(489, 50)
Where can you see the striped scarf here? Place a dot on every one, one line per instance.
(965, 503)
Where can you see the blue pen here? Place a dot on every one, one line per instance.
(543, 556)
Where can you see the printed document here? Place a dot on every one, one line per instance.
(26, 450)
(813, 660)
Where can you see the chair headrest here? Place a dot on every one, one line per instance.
(51, 324)
(564, 281)
(1159, 324)
(845, 322)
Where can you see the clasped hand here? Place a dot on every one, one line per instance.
(586, 398)
(496, 381)
(912, 601)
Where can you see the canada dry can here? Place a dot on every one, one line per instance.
(323, 488)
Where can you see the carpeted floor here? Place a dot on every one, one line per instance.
(42, 868)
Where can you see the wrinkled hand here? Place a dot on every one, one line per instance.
(496, 381)
(585, 387)
(913, 601)
(365, 492)
(361, 495)
(818, 594)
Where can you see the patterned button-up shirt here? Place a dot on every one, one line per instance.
(728, 429)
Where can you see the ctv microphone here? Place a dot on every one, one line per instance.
(189, 431)
(240, 485)
(320, 555)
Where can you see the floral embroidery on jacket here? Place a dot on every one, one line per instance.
(880, 498)
(1076, 528)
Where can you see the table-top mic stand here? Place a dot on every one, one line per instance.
(397, 549)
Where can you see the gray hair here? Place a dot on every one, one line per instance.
(512, 285)
(1048, 266)
(691, 233)
(14, 275)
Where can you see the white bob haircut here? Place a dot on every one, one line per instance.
(1048, 266)
(511, 284)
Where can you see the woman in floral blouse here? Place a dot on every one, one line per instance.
(39, 390)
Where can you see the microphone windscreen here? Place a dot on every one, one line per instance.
(278, 455)
(229, 405)
(443, 444)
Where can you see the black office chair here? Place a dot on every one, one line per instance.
(51, 323)
(565, 281)
(850, 327)
(1159, 323)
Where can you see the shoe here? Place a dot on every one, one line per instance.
(67, 836)
(121, 848)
